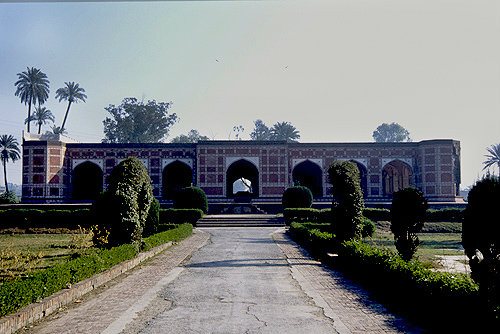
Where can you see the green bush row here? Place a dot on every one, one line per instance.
(306, 215)
(45, 218)
(38, 285)
(180, 216)
(384, 270)
(432, 215)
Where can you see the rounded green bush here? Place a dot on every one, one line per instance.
(297, 197)
(367, 227)
(9, 197)
(130, 194)
(191, 198)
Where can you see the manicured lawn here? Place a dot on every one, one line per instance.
(432, 243)
(41, 250)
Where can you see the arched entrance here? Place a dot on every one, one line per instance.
(87, 181)
(362, 177)
(308, 174)
(242, 179)
(396, 175)
(176, 175)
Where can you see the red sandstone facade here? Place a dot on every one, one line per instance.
(59, 170)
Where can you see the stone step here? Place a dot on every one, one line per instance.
(235, 220)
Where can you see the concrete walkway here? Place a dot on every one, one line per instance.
(242, 280)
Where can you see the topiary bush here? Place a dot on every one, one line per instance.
(191, 198)
(481, 239)
(407, 219)
(9, 197)
(348, 204)
(130, 196)
(153, 219)
(367, 227)
(297, 197)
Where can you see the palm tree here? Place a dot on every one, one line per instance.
(32, 88)
(493, 156)
(72, 93)
(9, 150)
(284, 131)
(41, 116)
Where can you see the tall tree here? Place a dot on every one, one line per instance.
(493, 156)
(391, 133)
(41, 116)
(260, 131)
(193, 136)
(285, 131)
(32, 88)
(71, 93)
(138, 122)
(9, 151)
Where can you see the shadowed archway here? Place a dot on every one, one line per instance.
(87, 181)
(396, 175)
(362, 177)
(242, 170)
(309, 174)
(176, 175)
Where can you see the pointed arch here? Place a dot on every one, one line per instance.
(362, 177)
(246, 170)
(396, 175)
(87, 181)
(176, 175)
(309, 174)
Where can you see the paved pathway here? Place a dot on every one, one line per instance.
(240, 282)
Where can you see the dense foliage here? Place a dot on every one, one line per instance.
(35, 286)
(153, 220)
(279, 131)
(138, 122)
(179, 216)
(9, 197)
(347, 205)
(191, 198)
(297, 197)
(481, 238)
(391, 133)
(407, 219)
(192, 136)
(130, 197)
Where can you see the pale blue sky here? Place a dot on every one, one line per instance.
(335, 69)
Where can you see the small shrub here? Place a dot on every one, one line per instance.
(180, 216)
(367, 228)
(9, 197)
(297, 197)
(191, 198)
(153, 219)
(407, 219)
(347, 205)
(377, 214)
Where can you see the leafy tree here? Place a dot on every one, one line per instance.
(481, 238)
(32, 88)
(348, 204)
(71, 93)
(407, 219)
(193, 136)
(284, 131)
(40, 116)
(138, 122)
(493, 156)
(238, 131)
(260, 131)
(9, 150)
(391, 133)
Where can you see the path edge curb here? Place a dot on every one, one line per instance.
(36, 311)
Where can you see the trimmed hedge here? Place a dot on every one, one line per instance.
(384, 271)
(191, 198)
(306, 215)
(432, 215)
(38, 285)
(180, 216)
(297, 197)
(45, 218)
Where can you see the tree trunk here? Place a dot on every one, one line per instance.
(39, 127)
(29, 114)
(65, 116)
(5, 175)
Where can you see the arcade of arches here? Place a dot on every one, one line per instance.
(60, 171)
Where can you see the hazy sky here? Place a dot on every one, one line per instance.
(335, 69)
